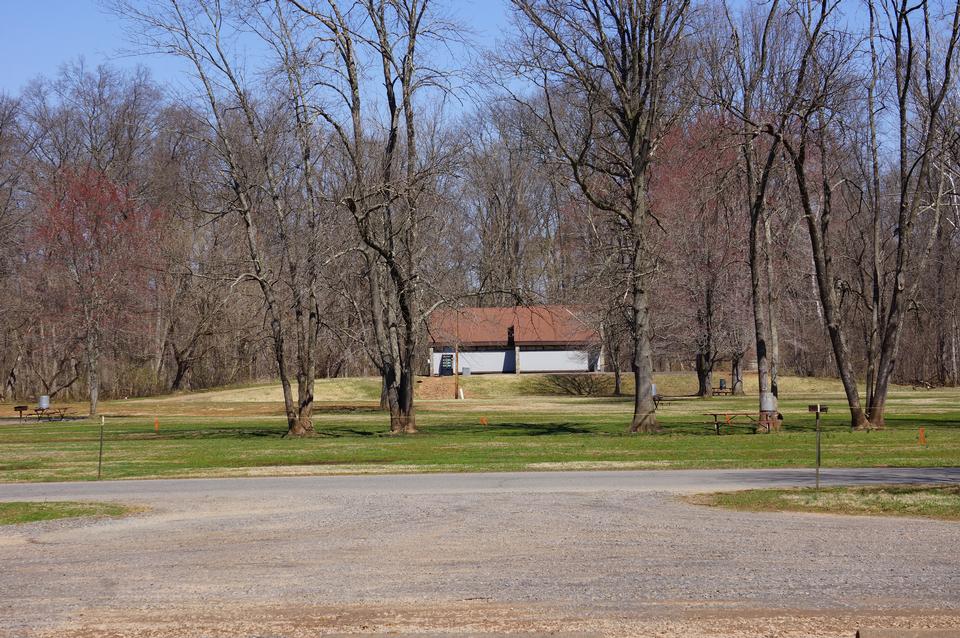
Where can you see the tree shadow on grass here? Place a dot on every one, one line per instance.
(512, 429)
(241, 433)
(206, 433)
(339, 433)
(359, 407)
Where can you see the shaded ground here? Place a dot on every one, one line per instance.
(608, 554)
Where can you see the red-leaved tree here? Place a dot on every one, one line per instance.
(95, 237)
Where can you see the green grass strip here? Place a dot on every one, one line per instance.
(928, 501)
(17, 512)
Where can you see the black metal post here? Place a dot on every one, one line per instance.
(818, 409)
(818, 451)
(100, 459)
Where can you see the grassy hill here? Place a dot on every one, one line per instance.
(493, 386)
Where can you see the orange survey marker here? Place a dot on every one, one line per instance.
(156, 424)
(923, 438)
(483, 421)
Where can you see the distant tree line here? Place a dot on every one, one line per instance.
(723, 185)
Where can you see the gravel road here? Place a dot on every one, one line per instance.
(591, 553)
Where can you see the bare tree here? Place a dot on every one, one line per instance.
(391, 164)
(759, 69)
(922, 70)
(696, 187)
(924, 57)
(608, 77)
(246, 141)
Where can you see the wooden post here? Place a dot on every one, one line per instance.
(456, 371)
(516, 359)
(456, 361)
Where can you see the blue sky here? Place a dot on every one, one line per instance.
(38, 36)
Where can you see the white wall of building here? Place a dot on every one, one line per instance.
(554, 361)
(530, 361)
(492, 361)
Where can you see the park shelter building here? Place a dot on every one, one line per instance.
(513, 340)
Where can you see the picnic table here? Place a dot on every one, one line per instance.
(50, 414)
(734, 419)
(665, 398)
(722, 392)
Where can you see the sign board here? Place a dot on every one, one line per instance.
(446, 365)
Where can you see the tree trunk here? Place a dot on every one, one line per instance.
(384, 393)
(644, 409)
(757, 181)
(774, 345)
(612, 353)
(889, 347)
(306, 360)
(161, 334)
(761, 317)
(955, 359)
(736, 375)
(403, 418)
(304, 423)
(943, 355)
(183, 359)
(303, 426)
(704, 366)
(93, 371)
(877, 409)
(272, 308)
(818, 223)
(10, 383)
(180, 376)
(858, 419)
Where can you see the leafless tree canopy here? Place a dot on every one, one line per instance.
(719, 185)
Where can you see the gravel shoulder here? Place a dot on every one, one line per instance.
(585, 553)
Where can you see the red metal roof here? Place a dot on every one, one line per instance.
(530, 325)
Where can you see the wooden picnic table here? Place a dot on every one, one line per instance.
(50, 414)
(722, 392)
(729, 418)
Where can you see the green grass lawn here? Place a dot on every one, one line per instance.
(929, 501)
(234, 432)
(13, 513)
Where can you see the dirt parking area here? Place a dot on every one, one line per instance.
(441, 555)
